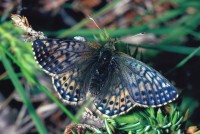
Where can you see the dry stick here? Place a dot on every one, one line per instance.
(22, 23)
(3, 75)
(20, 117)
(7, 101)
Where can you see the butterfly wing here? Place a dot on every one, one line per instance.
(146, 86)
(55, 56)
(69, 86)
(72, 85)
(114, 98)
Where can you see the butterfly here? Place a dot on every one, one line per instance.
(115, 81)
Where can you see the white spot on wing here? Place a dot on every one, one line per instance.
(67, 97)
(100, 108)
(107, 111)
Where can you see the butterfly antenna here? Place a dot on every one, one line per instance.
(102, 31)
(94, 22)
(22, 23)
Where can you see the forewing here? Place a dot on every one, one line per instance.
(114, 98)
(55, 56)
(146, 86)
(69, 86)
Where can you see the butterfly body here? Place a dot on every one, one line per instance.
(115, 81)
(101, 68)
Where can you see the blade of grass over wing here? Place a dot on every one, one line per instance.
(38, 123)
(65, 110)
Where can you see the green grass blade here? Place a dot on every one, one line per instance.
(107, 127)
(186, 59)
(38, 123)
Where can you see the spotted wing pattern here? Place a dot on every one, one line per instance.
(56, 56)
(69, 86)
(146, 86)
(129, 82)
(114, 99)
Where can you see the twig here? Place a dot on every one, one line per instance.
(22, 23)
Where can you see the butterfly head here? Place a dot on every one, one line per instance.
(111, 44)
(105, 55)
